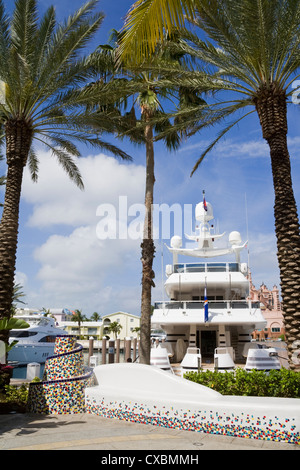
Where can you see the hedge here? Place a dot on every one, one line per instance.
(277, 383)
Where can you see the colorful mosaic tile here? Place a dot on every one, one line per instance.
(244, 425)
(64, 381)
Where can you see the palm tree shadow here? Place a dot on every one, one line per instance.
(29, 423)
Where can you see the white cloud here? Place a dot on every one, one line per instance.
(246, 149)
(263, 259)
(77, 269)
(57, 200)
(21, 278)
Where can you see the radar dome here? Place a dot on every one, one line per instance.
(176, 242)
(235, 238)
(203, 215)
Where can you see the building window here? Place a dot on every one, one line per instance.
(275, 329)
(92, 331)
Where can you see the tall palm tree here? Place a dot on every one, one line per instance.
(44, 69)
(2, 179)
(143, 83)
(247, 61)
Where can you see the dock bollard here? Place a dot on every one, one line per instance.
(103, 351)
(111, 351)
(118, 350)
(91, 348)
(127, 349)
(134, 349)
(33, 370)
(93, 361)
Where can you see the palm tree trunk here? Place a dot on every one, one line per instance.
(148, 248)
(271, 107)
(18, 140)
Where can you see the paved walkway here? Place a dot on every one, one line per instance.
(89, 432)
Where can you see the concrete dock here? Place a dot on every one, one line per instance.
(90, 432)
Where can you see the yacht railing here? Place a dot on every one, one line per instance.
(213, 304)
(206, 267)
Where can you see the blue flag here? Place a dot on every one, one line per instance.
(205, 305)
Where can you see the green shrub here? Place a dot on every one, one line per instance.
(277, 383)
(16, 394)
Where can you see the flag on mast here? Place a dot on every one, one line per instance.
(204, 202)
(205, 303)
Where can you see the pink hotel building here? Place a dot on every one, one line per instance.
(271, 310)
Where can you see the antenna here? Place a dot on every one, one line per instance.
(247, 231)
(162, 272)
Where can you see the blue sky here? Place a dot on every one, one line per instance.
(62, 263)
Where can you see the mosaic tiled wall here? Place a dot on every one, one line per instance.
(212, 422)
(64, 381)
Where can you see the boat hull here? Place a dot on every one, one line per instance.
(24, 354)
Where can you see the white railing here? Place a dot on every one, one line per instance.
(206, 267)
(199, 304)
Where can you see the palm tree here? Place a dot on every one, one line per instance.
(147, 22)
(44, 69)
(79, 318)
(115, 327)
(95, 316)
(2, 179)
(247, 61)
(144, 82)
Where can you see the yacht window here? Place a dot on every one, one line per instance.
(221, 267)
(21, 334)
(178, 268)
(44, 321)
(47, 339)
(233, 267)
(195, 268)
(194, 305)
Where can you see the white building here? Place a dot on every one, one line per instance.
(98, 329)
(128, 322)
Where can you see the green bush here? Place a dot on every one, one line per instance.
(16, 394)
(277, 383)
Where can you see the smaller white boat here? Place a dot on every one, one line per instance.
(35, 343)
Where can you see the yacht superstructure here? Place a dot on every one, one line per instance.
(208, 307)
(35, 343)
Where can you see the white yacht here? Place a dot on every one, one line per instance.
(35, 343)
(208, 317)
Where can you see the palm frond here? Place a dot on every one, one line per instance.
(62, 62)
(215, 141)
(33, 164)
(43, 38)
(145, 24)
(4, 42)
(66, 161)
(24, 27)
